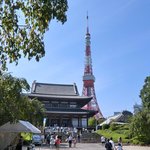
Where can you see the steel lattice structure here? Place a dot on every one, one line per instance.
(89, 79)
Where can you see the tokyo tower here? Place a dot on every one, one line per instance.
(89, 79)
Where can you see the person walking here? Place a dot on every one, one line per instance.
(74, 141)
(57, 142)
(70, 140)
(48, 139)
(79, 137)
(102, 139)
(52, 141)
(119, 147)
(120, 141)
(112, 143)
(108, 145)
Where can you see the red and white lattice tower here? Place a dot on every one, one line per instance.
(89, 79)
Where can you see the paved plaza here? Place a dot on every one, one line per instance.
(89, 146)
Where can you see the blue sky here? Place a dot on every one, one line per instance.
(120, 45)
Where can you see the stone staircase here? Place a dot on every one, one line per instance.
(85, 137)
(90, 138)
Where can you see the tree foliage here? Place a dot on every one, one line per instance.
(140, 125)
(36, 112)
(92, 121)
(23, 24)
(13, 105)
(145, 93)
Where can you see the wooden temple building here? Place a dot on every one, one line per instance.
(63, 104)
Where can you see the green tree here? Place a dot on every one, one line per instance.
(92, 122)
(145, 94)
(10, 97)
(32, 110)
(23, 24)
(38, 111)
(13, 105)
(140, 125)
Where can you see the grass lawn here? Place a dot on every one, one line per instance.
(115, 131)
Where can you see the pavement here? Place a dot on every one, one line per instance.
(88, 146)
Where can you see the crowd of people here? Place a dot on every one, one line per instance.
(55, 140)
(110, 145)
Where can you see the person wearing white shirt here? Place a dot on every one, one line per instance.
(102, 139)
(112, 143)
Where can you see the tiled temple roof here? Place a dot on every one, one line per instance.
(54, 89)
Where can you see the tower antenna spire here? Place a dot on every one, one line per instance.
(87, 17)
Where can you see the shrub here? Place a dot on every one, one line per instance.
(113, 127)
(105, 126)
(136, 141)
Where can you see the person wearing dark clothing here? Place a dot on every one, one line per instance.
(108, 145)
(70, 140)
(48, 139)
(20, 144)
(120, 141)
(78, 138)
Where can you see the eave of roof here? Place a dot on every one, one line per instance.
(63, 112)
(72, 111)
(57, 96)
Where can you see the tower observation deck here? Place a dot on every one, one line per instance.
(89, 79)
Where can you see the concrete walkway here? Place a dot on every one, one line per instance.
(89, 146)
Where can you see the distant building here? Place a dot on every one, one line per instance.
(116, 113)
(115, 118)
